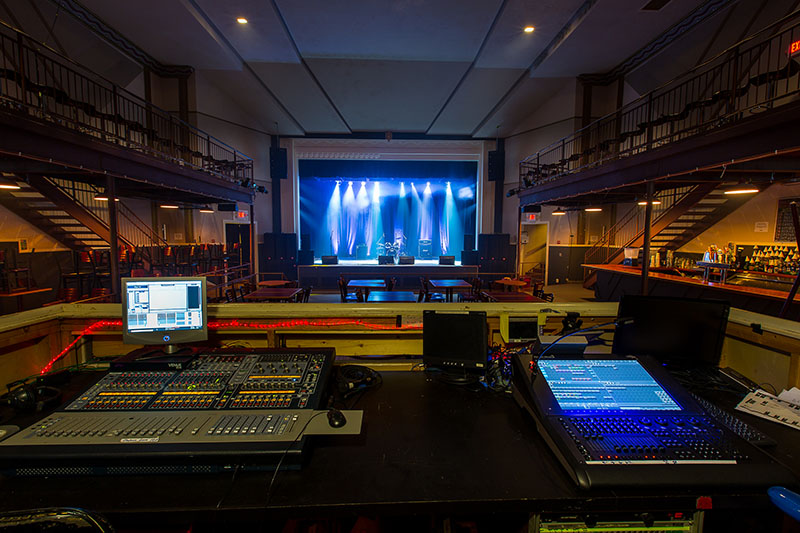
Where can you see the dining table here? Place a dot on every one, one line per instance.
(273, 294)
(450, 285)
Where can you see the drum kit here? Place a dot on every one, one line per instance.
(398, 247)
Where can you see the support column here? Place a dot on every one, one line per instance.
(498, 189)
(648, 218)
(253, 243)
(111, 192)
(276, 190)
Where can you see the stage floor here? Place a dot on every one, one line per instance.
(374, 262)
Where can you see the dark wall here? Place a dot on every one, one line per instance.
(45, 268)
(564, 264)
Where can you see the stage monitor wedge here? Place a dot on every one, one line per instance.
(385, 259)
(330, 259)
(447, 260)
(405, 260)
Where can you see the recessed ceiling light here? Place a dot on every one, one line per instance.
(529, 29)
(559, 212)
(241, 20)
(9, 186)
(593, 209)
(206, 210)
(654, 202)
(169, 206)
(103, 198)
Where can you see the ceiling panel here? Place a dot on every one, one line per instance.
(419, 30)
(528, 97)
(612, 31)
(376, 95)
(166, 30)
(474, 99)
(262, 39)
(295, 88)
(510, 47)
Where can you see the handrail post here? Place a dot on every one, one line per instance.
(22, 75)
(648, 218)
(734, 83)
(115, 108)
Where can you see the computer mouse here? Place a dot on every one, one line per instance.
(336, 418)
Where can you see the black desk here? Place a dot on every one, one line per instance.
(426, 448)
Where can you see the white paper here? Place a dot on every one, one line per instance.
(765, 405)
(792, 395)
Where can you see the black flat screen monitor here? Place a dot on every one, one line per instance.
(164, 311)
(684, 332)
(454, 341)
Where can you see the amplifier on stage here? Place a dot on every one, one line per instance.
(425, 248)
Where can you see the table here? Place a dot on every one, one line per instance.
(707, 266)
(274, 283)
(426, 448)
(20, 294)
(366, 284)
(449, 285)
(503, 296)
(392, 296)
(274, 294)
(511, 283)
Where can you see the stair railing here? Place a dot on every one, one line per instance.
(631, 225)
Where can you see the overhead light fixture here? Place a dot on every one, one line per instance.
(593, 209)
(206, 209)
(241, 20)
(529, 29)
(654, 202)
(169, 206)
(559, 212)
(745, 188)
(9, 185)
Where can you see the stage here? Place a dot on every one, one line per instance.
(323, 277)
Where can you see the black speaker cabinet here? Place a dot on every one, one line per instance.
(447, 260)
(277, 163)
(385, 259)
(470, 257)
(305, 241)
(330, 259)
(406, 260)
(469, 241)
(305, 257)
(497, 165)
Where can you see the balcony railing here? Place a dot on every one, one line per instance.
(38, 81)
(758, 73)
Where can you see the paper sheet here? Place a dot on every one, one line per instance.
(766, 405)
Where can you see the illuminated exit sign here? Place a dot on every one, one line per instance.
(242, 214)
(529, 217)
(794, 48)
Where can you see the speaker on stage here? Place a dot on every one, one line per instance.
(361, 251)
(469, 242)
(305, 241)
(425, 248)
(406, 260)
(470, 257)
(330, 259)
(305, 257)
(385, 259)
(447, 260)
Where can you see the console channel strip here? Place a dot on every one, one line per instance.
(625, 422)
(226, 407)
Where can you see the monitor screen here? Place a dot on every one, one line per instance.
(163, 310)
(604, 385)
(684, 331)
(454, 340)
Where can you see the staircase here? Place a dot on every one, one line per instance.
(67, 211)
(682, 215)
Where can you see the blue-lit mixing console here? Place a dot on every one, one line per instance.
(625, 422)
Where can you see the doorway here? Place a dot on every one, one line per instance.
(534, 251)
(237, 242)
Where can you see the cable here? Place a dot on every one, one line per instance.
(285, 453)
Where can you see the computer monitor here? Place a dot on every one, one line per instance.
(164, 311)
(685, 332)
(456, 343)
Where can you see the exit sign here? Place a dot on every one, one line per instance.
(794, 48)
(530, 217)
(242, 214)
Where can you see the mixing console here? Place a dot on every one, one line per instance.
(224, 407)
(624, 422)
(216, 380)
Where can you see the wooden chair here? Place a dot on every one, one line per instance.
(474, 294)
(303, 297)
(345, 296)
(430, 296)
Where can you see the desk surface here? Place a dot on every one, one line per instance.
(425, 447)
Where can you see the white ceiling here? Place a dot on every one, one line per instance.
(442, 67)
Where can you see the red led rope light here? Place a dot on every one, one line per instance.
(236, 324)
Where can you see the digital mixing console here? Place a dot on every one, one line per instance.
(624, 422)
(225, 407)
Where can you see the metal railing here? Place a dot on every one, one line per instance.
(743, 80)
(38, 81)
(631, 225)
(131, 230)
